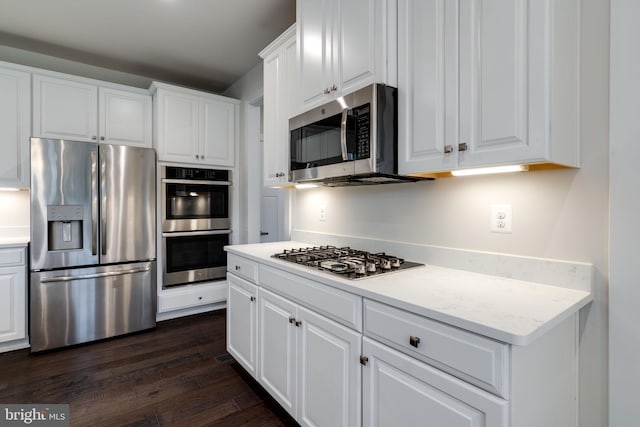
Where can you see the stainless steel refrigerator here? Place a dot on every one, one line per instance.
(93, 245)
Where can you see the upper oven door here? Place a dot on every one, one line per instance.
(192, 205)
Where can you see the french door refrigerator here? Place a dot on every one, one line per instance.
(93, 245)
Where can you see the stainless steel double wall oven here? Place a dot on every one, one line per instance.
(195, 224)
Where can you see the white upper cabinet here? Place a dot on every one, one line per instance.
(344, 45)
(194, 127)
(82, 111)
(125, 117)
(487, 83)
(15, 106)
(279, 105)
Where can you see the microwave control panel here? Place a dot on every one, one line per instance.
(363, 131)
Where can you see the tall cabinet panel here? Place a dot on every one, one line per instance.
(177, 123)
(427, 95)
(15, 106)
(280, 104)
(219, 131)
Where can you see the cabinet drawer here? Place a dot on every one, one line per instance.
(242, 267)
(474, 358)
(12, 256)
(191, 296)
(341, 306)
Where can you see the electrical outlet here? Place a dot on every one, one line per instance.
(501, 219)
(322, 216)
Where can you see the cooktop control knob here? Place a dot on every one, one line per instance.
(371, 266)
(395, 263)
(360, 269)
(386, 264)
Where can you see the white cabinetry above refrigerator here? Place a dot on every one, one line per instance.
(84, 110)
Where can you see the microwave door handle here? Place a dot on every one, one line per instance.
(343, 135)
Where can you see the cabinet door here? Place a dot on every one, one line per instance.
(399, 390)
(177, 121)
(125, 117)
(427, 85)
(241, 322)
(15, 113)
(280, 104)
(218, 127)
(329, 372)
(317, 42)
(12, 303)
(277, 347)
(361, 36)
(64, 109)
(504, 81)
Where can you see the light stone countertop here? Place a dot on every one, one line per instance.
(11, 237)
(513, 311)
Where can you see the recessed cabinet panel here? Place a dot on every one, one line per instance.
(315, 40)
(64, 109)
(242, 308)
(13, 294)
(179, 121)
(425, 55)
(219, 128)
(359, 41)
(401, 391)
(125, 117)
(15, 113)
(278, 349)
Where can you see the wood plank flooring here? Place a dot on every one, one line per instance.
(176, 375)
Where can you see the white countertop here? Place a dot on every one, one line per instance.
(508, 310)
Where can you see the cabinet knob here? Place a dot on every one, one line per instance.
(197, 156)
(448, 149)
(253, 299)
(292, 319)
(199, 298)
(364, 360)
(334, 88)
(237, 267)
(326, 91)
(298, 323)
(102, 138)
(462, 146)
(414, 341)
(94, 137)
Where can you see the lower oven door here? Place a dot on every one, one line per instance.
(194, 256)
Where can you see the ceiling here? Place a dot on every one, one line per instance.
(206, 44)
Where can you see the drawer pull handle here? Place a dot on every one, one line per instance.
(414, 341)
(237, 267)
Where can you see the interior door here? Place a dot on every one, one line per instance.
(127, 204)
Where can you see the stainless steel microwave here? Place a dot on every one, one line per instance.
(352, 140)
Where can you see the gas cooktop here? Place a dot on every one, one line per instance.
(346, 262)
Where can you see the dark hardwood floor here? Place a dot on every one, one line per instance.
(176, 375)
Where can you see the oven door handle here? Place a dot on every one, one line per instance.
(194, 181)
(196, 233)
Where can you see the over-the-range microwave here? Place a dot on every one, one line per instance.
(352, 140)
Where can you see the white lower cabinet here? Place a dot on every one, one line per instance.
(242, 308)
(308, 363)
(401, 391)
(13, 302)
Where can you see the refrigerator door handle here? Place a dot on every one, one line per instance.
(95, 276)
(103, 205)
(94, 203)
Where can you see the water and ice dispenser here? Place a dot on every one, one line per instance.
(64, 224)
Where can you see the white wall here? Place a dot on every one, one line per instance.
(14, 208)
(560, 214)
(249, 90)
(624, 306)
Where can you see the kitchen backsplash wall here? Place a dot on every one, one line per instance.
(14, 208)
